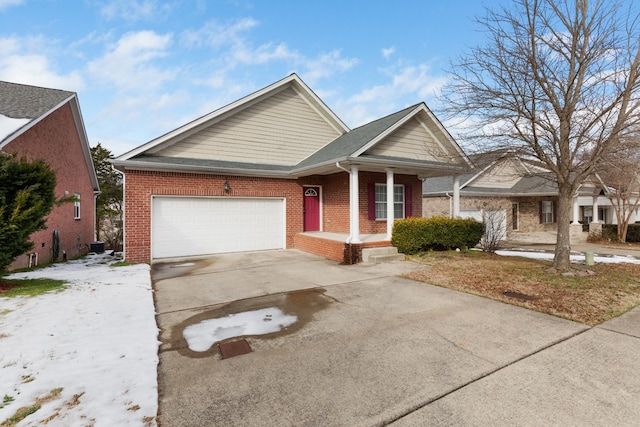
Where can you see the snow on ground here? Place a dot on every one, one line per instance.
(97, 340)
(201, 336)
(574, 258)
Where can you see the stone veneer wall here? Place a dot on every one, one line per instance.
(529, 210)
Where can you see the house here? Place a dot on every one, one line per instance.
(40, 123)
(519, 196)
(278, 169)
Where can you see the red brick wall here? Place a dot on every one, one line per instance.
(56, 141)
(331, 249)
(141, 185)
(376, 227)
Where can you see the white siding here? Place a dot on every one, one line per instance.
(505, 174)
(413, 141)
(282, 129)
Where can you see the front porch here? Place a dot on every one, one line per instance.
(334, 245)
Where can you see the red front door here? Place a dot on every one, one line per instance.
(311, 208)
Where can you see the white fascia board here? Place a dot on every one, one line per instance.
(125, 165)
(84, 142)
(234, 107)
(33, 122)
(421, 107)
(386, 133)
(332, 119)
(446, 133)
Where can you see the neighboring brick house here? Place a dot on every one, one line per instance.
(40, 123)
(520, 195)
(278, 169)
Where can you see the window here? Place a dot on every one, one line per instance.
(515, 216)
(76, 206)
(546, 213)
(381, 201)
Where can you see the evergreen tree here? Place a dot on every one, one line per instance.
(109, 201)
(26, 198)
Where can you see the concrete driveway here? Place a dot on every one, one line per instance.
(370, 348)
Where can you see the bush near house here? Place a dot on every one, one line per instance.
(413, 235)
(610, 231)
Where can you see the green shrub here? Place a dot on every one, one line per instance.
(414, 235)
(610, 231)
(633, 233)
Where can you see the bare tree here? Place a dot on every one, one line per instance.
(620, 175)
(495, 229)
(555, 80)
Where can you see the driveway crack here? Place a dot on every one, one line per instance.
(420, 405)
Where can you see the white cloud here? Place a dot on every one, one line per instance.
(217, 35)
(135, 10)
(387, 52)
(25, 60)
(406, 85)
(326, 65)
(129, 63)
(8, 3)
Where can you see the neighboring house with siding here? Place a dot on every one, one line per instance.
(278, 169)
(41, 123)
(523, 196)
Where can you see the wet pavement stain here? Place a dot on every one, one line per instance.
(169, 270)
(303, 303)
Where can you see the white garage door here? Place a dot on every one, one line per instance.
(186, 226)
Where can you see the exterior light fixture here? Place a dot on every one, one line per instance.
(227, 187)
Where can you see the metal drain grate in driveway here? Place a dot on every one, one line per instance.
(234, 348)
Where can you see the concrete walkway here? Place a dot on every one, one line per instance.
(371, 348)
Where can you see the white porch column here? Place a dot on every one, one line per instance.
(456, 196)
(595, 210)
(390, 210)
(354, 207)
(576, 211)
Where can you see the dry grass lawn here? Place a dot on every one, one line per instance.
(611, 291)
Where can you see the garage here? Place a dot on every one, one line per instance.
(190, 226)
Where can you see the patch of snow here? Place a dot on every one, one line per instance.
(96, 339)
(574, 258)
(202, 335)
(9, 125)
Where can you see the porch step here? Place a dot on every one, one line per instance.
(382, 254)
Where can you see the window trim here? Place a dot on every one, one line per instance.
(76, 206)
(544, 214)
(383, 204)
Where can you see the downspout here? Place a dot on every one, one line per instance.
(450, 204)
(124, 192)
(339, 166)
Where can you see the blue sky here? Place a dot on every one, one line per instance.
(144, 67)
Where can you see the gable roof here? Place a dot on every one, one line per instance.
(531, 180)
(291, 81)
(350, 143)
(349, 147)
(23, 107)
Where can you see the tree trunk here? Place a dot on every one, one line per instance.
(563, 243)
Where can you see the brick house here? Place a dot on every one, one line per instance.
(278, 169)
(519, 196)
(40, 123)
